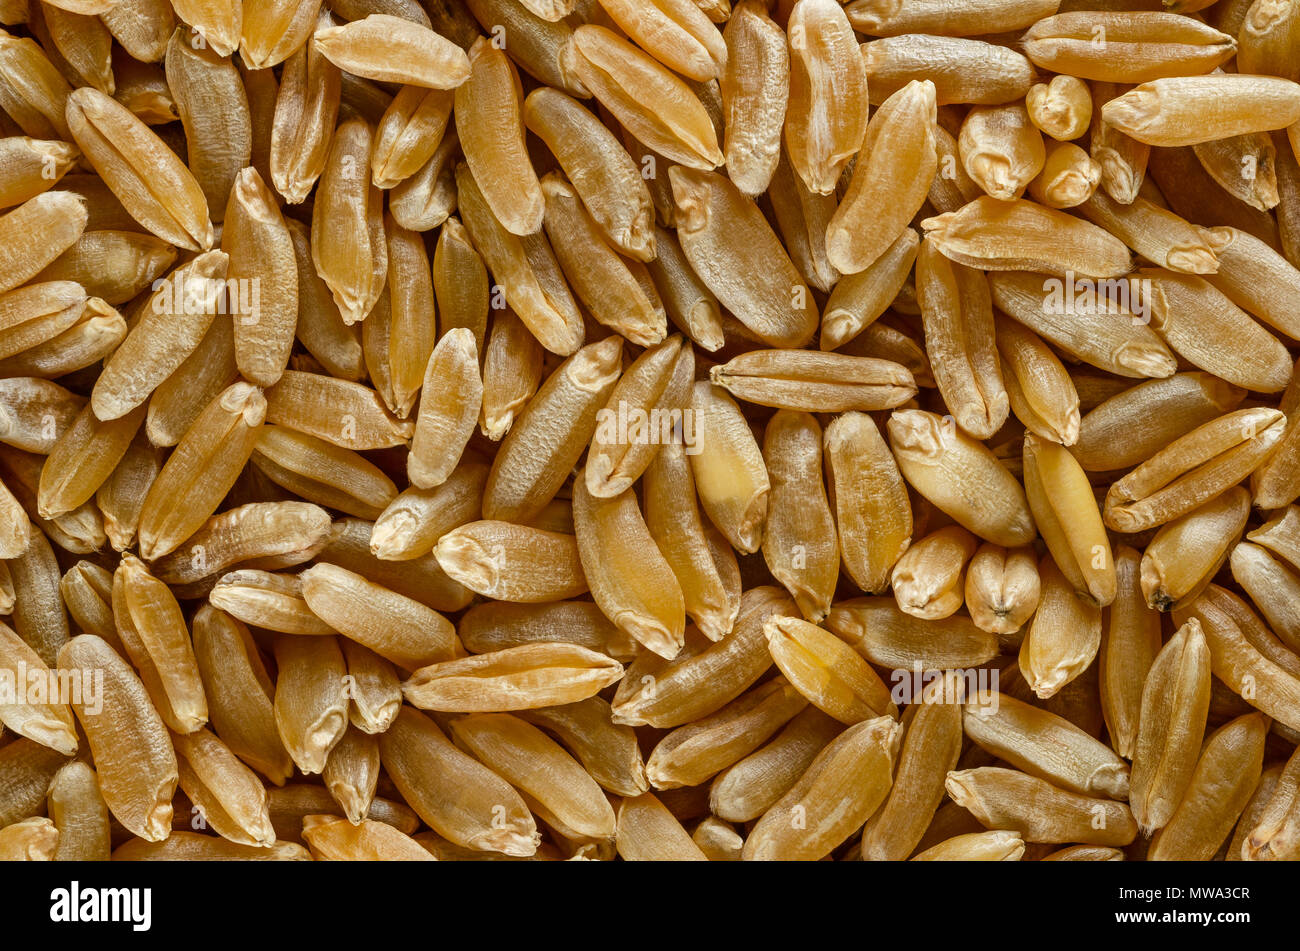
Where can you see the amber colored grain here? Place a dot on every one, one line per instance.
(133, 753)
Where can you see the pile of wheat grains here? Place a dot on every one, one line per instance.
(650, 429)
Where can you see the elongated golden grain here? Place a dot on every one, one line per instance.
(156, 637)
(32, 91)
(262, 279)
(516, 678)
(268, 600)
(858, 299)
(702, 564)
(525, 269)
(352, 774)
(77, 808)
(997, 846)
(1175, 700)
(957, 315)
(121, 496)
(881, 632)
(393, 626)
(112, 265)
(535, 459)
(1186, 554)
(693, 754)
(892, 18)
(629, 578)
(1255, 277)
(737, 255)
(827, 117)
(1271, 584)
(82, 459)
(460, 280)
(347, 239)
(800, 545)
(1066, 513)
(1130, 642)
(961, 477)
(420, 578)
(1045, 745)
(201, 469)
(1260, 362)
(627, 81)
(306, 108)
(38, 613)
(272, 32)
(675, 32)
(930, 748)
(48, 723)
(171, 326)
(1192, 470)
(690, 305)
(974, 71)
(145, 175)
(240, 692)
(225, 792)
(755, 88)
(1100, 323)
(1064, 636)
(214, 112)
(1171, 408)
(616, 290)
(730, 476)
(133, 754)
(1187, 110)
(1155, 233)
(322, 472)
(809, 381)
(601, 171)
(409, 134)
(417, 518)
(177, 401)
(1134, 47)
(1243, 660)
(552, 782)
(843, 787)
(867, 494)
(449, 408)
(31, 166)
(490, 126)
(648, 832)
(344, 413)
(311, 703)
(36, 413)
(1022, 236)
(1259, 799)
(391, 49)
(704, 677)
(56, 218)
(827, 671)
(1040, 812)
(539, 46)
(453, 793)
(1245, 166)
(1226, 774)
